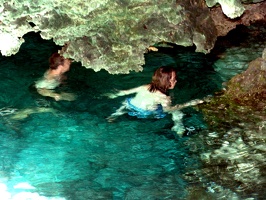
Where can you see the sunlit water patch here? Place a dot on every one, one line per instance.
(83, 157)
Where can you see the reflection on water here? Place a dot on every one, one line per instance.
(67, 150)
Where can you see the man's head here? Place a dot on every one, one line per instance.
(56, 60)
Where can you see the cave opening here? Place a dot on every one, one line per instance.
(67, 150)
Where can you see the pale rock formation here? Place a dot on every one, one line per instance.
(231, 8)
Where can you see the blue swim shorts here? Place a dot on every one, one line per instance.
(141, 113)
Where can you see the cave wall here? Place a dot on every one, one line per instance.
(114, 34)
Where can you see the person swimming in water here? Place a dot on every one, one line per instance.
(54, 77)
(151, 100)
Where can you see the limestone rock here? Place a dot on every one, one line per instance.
(231, 8)
(110, 34)
(249, 87)
(253, 12)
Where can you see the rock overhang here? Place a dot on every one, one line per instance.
(114, 35)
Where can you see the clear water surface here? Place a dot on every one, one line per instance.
(68, 150)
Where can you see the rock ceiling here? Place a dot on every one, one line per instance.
(114, 34)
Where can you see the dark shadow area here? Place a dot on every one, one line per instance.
(241, 36)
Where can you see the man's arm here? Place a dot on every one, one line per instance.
(124, 92)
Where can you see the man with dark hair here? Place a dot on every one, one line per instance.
(53, 77)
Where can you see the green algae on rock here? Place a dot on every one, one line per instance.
(249, 87)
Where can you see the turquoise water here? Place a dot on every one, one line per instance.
(68, 150)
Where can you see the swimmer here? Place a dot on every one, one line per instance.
(152, 100)
(54, 77)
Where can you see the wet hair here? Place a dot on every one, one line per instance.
(161, 79)
(55, 60)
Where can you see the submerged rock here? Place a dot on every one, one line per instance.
(233, 155)
(232, 149)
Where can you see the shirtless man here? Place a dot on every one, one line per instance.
(54, 77)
